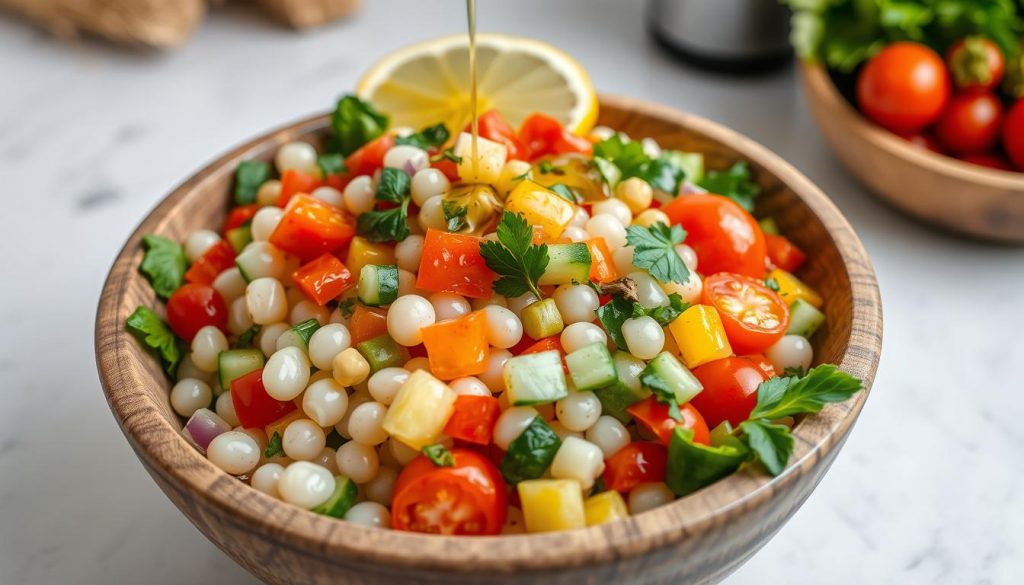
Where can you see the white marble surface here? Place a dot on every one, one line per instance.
(927, 490)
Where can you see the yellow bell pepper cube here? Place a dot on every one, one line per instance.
(490, 159)
(552, 504)
(605, 507)
(699, 334)
(542, 207)
(792, 288)
(420, 410)
(362, 252)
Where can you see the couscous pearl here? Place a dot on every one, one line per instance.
(689, 291)
(517, 304)
(407, 316)
(609, 228)
(562, 432)
(406, 283)
(235, 452)
(417, 363)
(239, 319)
(354, 400)
(305, 310)
(512, 423)
(579, 335)
(407, 157)
(265, 298)
(299, 156)
(614, 208)
(428, 183)
(350, 368)
(369, 514)
(303, 440)
(305, 484)
(187, 369)
(198, 242)
(449, 305)
(230, 284)
(380, 488)
(325, 402)
(644, 337)
(189, 395)
(408, 253)
(327, 342)
(265, 478)
(263, 259)
(366, 423)
(226, 409)
(328, 459)
(269, 192)
(609, 434)
(286, 373)
(504, 329)
(401, 452)
(636, 193)
(265, 222)
(432, 214)
(648, 292)
(575, 234)
(268, 336)
(577, 303)
(358, 195)
(623, 260)
(357, 461)
(329, 195)
(688, 255)
(469, 386)
(791, 351)
(258, 435)
(648, 496)
(578, 411)
(385, 383)
(206, 346)
(494, 375)
(650, 217)
(578, 459)
(580, 218)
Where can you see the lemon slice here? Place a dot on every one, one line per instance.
(428, 82)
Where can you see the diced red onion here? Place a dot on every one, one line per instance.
(409, 167)
(203, 426)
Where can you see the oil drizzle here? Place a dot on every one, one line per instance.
(474, 126)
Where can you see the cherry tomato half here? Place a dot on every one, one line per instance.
(634, 464)
(467, 498)
(194, 306)
(971, 123)
(653, 415)
(754, 316)
(904, 87)
(730, 390)
(725, 237)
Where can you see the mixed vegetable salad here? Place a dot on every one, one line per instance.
(542, 331)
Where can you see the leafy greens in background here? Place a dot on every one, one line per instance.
(734, 183)
(354, 123)
(619, 158)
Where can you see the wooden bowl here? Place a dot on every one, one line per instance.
(938, 189)
(700, 538)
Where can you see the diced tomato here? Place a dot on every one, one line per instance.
(602, 267)
(339, 181)
(370, 157)
(523, 345)
(634, 464)
(194, 306)
(366, 323)
(457, 347)
(544, 136)
(253, 406)
(783, 253)
(653, 415)
(240, 216)
(473, 419)
(730, 389)
(493, 127)
(217, 259)
(294, 182)
(448, 167)
(310, 228)
(452, 263)
(323, 279)
(547, 344)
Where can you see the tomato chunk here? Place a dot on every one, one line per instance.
(370, 156)
(452, 263)
(492, 126)
(634, 464)
(194, 306)
(310, 228)
(544, 136)
(602, 267)
(783, 253)
(323, 279)
(653, 415)
(294, 182)
(473, 419)
(366, 323)
(240, 216)
(457, 347)
(254, 407)
(207, 267)
(730, 390)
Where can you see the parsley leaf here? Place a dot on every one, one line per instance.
(386, 225)
(446, 154)
(772, 443)
(248, 336)
(824, 384)
(771, 283)
(612, 315)
(274, 446)
(664, 314)
(654, 251)
(619, 158)
(394, 185)
(354, 123)
(331, 163)
(546, 168)
(249, 175)
(734, 183)
(347, 307)
(662, 391)
(455, 215)
(517, 260)
(428, 138)
(155, 334)
(440, 455)
(163, 264)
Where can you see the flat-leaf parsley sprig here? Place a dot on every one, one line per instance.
(518, 262)
(654, 250)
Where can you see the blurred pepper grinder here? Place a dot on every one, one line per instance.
(734, 36)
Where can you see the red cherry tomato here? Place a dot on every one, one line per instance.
(725, 237)
(1013, 134)
(493, 127)
(468, 498)
(473, 419)
(634, 464)
(208, 267)
(754, 316)
(730, 390)
(992, 160)
(783, 253)
(904, 87)
(971, 123)
(194, 306)
(762, 363)
(653, 415)
(370, 157)
(976, 63)
(544, 136)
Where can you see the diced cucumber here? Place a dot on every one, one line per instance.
(673, 374)
(378, 284)
(591, 367)
(382, 352)
(567, 263)
(535, 378)
(239, 237)
(768, 226)
(343, 498)
(626, 390)
(531, 453)
(542, 319)
(804, 318)
(692, 163)
(235, 363)
(298, 336)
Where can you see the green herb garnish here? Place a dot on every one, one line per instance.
(517, 260)
(163, 264)
(618, 159)
(354, 123)
(388, 225)
(428, 138)
(331, 163)
(654, 251)
(274, 446)
(249, 176)
(455, 215)
(446, 154)
(157, 336)
(734, 183)
(440, 455)
(564, 192)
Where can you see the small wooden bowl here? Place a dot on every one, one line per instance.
(699, 539)
(940, 190)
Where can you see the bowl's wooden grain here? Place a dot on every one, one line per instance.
(941, 190)
(699, 539)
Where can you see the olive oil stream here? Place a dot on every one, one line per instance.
(474, 126)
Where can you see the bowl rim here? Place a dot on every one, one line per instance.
(161, 447)
(818, 81)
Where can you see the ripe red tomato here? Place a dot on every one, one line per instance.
(992, 160)
(253, 406)
(905, 87)
(1013, 134)
(468, 498)
(452, 263)
(493, 127)
(370, 156)
(762, 363)
(783, 253)
(725, 237)
(971, 123)
(976, 63)
(754, 316)
(544, 136)
(194, 306)
(653, 415)
(730, 390)
(634, 464)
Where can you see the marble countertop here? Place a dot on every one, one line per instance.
(927, 490)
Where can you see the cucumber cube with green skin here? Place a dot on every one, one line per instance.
(768, 226)
(804, 319)
(299, 334)
(535, 378)
(378, 285)
(591, 367)
(676, 376)
(567, 263)
(344, 497)
(626, 390)
(235, 363)
(382, 352)
(239, 237)
(542, 319)
(531, 453)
